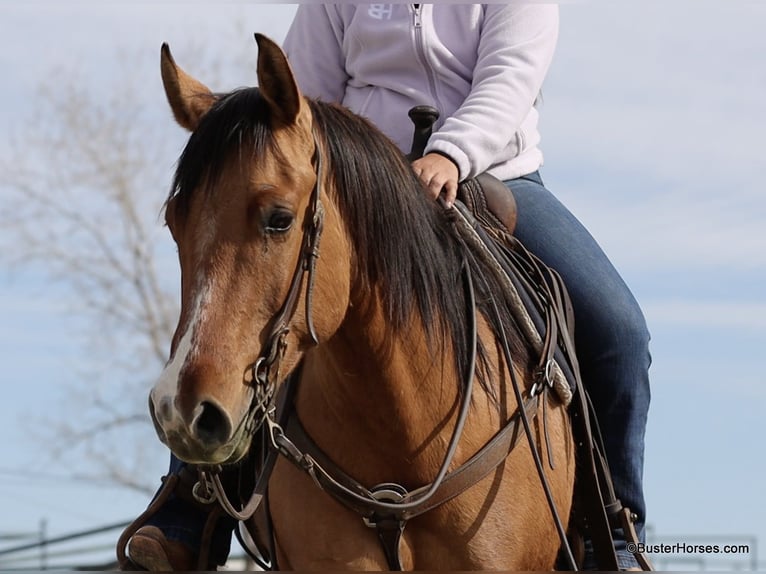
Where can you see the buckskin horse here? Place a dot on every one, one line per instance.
(309, 254)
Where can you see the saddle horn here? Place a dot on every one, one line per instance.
(424, 118)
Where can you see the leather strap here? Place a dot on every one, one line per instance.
(552, 295)
(334, 480)
(591, 513)
(390, 535)
(359, 498)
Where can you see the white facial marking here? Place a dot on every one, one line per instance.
(166, 388)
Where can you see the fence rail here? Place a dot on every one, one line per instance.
(86, 549)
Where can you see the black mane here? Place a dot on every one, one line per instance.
(403, 242)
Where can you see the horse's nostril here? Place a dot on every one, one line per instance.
(212, 425)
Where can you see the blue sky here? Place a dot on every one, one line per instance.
(653, 123)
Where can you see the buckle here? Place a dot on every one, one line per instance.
(543, 378)
(384, 492)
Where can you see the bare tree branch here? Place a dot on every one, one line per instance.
(82, 195)
(83, 190)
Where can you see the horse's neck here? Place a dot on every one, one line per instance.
(373, 399)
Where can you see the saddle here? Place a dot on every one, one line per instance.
(490, 201)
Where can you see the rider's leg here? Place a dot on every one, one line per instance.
(181, 520)
(611, 337)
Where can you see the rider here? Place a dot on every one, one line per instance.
(482, 66)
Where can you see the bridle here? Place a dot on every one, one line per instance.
(264, 372)
(263, 375)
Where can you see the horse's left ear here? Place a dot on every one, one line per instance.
(277, 82)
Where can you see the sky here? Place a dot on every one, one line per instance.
(653, 122)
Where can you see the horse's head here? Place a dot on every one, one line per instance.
(242, 213)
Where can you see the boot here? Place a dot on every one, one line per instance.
(149, 549)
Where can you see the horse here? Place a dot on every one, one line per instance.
(309, 252)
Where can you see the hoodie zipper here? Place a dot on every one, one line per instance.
(417, 23)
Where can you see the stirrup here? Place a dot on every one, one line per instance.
(150, 549)
(625, 517)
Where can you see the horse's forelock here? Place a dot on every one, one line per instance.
(238, 123)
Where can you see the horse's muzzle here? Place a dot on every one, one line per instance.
(206, 436)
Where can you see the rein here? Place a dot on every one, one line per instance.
(386, 507)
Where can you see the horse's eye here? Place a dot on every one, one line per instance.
(279, 221)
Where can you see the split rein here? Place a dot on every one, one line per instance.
(386, 507)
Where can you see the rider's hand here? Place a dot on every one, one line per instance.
(436, 172)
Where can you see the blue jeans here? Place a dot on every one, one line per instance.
(611, 336)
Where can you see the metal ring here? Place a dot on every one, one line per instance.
(548, 372)
(388, 492)
(203, 492)
(260, 371)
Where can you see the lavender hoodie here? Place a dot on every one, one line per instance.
(480, 65)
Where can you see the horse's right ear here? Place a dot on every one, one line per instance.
(189, 99)
(277, 83)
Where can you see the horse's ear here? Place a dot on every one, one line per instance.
(277, 82)
(189, 99)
